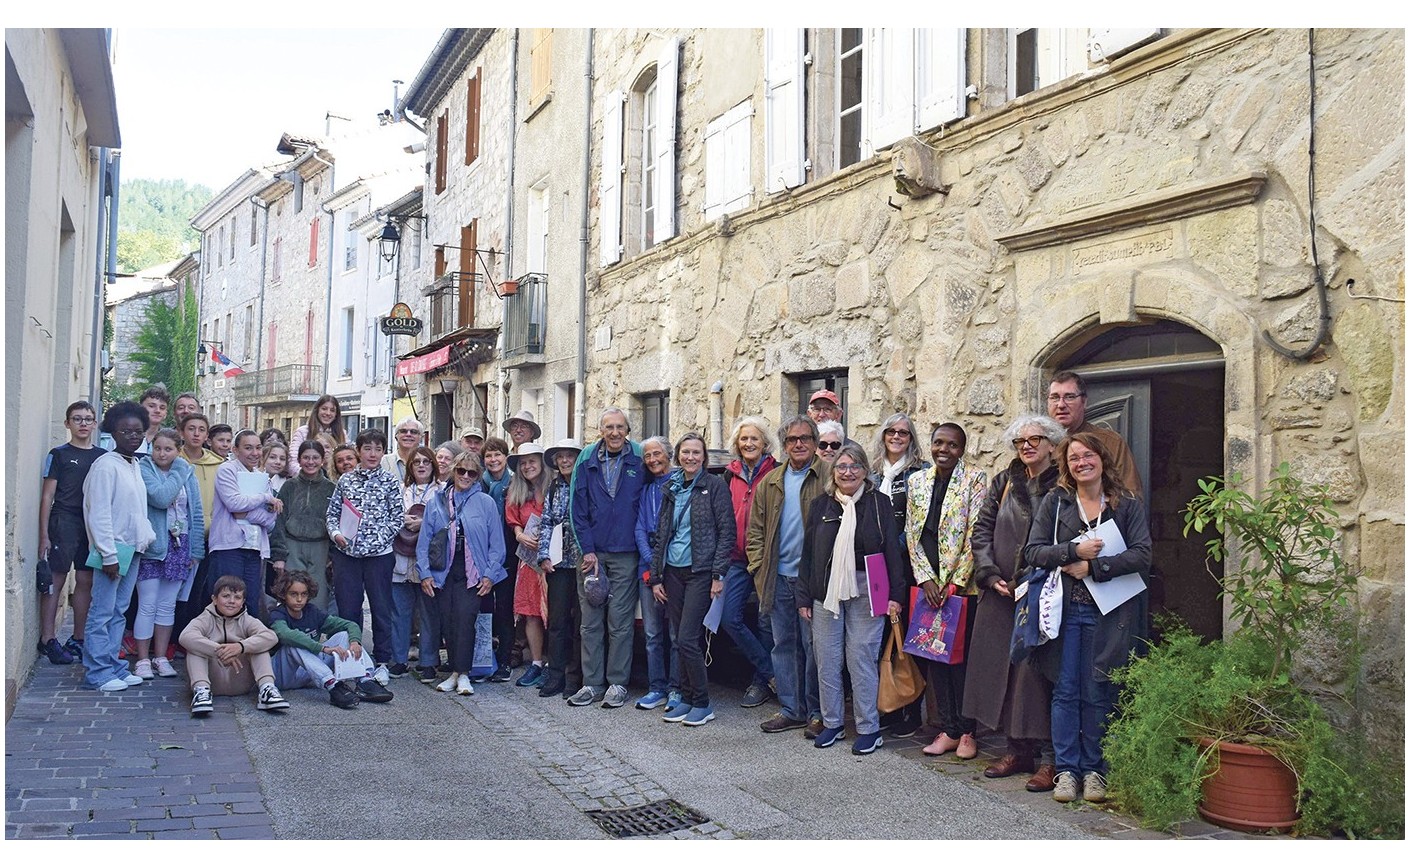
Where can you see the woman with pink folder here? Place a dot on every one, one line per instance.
(848, 523)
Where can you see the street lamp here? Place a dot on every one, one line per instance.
(389, 241)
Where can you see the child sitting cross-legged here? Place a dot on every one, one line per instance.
(227, 651)
(309, 640)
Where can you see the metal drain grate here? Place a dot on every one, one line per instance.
(656, 818)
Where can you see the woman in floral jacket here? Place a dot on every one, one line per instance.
(942, 504)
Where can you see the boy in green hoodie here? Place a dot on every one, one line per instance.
(309, 642)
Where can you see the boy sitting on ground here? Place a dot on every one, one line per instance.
(309, 640)
(227, 652)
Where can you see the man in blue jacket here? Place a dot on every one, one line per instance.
(607, 486)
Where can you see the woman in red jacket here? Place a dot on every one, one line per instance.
(753, 446)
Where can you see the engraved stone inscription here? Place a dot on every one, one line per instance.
(1140, 248)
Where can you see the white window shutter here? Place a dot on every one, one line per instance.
(890, 81)
(783, 108)
(667, 71)
(1104, 43)
(940, 76)
(610, 186)
(714, 168)
(738, 188)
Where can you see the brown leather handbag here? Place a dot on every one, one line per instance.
(899, 682)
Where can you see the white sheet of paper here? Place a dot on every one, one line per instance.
(252, 483)
(1112, 593)
(349, 520)
(555, 545)
(349, 668)
(715, 614)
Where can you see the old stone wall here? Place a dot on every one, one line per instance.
(1173, 186)
(129, 317)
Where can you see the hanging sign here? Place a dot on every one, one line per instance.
(422, 364)
(400, 321)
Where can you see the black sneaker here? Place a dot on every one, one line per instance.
(551, 687)
(503, 673)
(370, 691)
(427, 674)
(74, 647)
(57, 654)
(905, 726)
(342, 696)
(397, 670)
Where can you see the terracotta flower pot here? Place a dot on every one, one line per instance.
(1250, 791)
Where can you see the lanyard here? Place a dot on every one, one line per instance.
(1089, 525)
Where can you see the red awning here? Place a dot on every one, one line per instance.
(422, 364)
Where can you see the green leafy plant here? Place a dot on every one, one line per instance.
(1285, 577)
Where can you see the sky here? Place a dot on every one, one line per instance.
(205, 105)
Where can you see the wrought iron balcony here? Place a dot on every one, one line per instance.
(279, 384)
(452, 302)
(526, 319)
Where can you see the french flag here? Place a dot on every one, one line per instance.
(231, 369)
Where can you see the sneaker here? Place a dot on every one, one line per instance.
(270, 698)
(757, 694)
(342, 696)
(1066, 787)
(654, 699)
(905, 726)
(828, 736)
(426, 674)
(448, 685)
(782, 723)
(502, 674)
(677, 714)
(479, 679)
(381, 674)
(143, 669)
(699, 716)
(616, 697)
(74, 647)
(868, 743)
(463, 687)
(201, 702)
(673, 699)
(397, 670)
(551, 687)
(117, 684)
(815, 726)
(57, 654)
(585, 696)
(133, 680)
(1094, 787)
(164, 667)
(368, 690)
(532, 677)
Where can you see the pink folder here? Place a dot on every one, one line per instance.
(878, 583)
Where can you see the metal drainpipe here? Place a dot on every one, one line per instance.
(580, 387)
(263, 280)
(328, 296)
(509, 204)
(100, 232)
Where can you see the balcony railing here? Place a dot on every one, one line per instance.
(452, 302)
(283, 383)
(526, 317)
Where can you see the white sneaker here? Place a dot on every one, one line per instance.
(464, 687)
(143, 669)
(449, 684)
(114, 685)
(133, 680)
(382, 676)
(164, 667)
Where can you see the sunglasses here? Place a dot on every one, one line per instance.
(464, 471)
(829, 445)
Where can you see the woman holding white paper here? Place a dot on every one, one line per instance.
(1090, 644)
(848, 522)
(243, 512)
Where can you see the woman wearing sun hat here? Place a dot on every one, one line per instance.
(563, 675)
(523, 502)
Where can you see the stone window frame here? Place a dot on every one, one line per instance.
(654, 406)
(634, 211)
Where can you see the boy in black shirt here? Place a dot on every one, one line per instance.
(309, 640)
(63, 539)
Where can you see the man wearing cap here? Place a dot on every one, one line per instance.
(607, 488)
(521, 428)
(472, 439)
(408, 437)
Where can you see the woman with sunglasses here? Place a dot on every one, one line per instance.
(1008, 698)
(898, 456)
(831, 438)
(468, 566)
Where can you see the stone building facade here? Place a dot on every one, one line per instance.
(1145, 221)
(127, 302)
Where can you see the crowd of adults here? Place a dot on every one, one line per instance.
(461, 550)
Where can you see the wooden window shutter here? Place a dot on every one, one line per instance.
(442, 143)
(540, 63)
(440, 262)
(889, 87)
(472, 118)
(664, 208)
(783, 108)
(313, 243)
(610, 184)
(466, 301)
(269, 354)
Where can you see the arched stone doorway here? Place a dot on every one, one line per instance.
(1160, 384)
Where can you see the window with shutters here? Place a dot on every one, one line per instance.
(637, 186)
(785, 56)
(469, 274)
(727, 146)
(1041, 56)
(472, 118)
(648, 166)
(349, 325)
(849, 96)
(540, 66)
(442, 146)
(655, 414)
(351, 241)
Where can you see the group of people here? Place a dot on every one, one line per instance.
(457, 550)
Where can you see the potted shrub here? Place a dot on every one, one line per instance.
(1192, 713)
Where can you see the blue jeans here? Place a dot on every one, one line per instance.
(1081, 703)
(663, 667)
(404, 596)
(296, 667)
(738, 584)
(246, 564)
(792, 655)
(352, 577)
(102, 631)
(855, 634)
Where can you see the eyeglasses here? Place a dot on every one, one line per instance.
(896, 432)
(1020, 442)
(421, 461)
(408, 431)
(798, 438)
(82, 420)
(848, 469)
(465, 471)
(829, 445)
(1067, 398)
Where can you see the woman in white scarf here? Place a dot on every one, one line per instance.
(850, 521)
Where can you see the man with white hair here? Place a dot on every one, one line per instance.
(408, 437)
